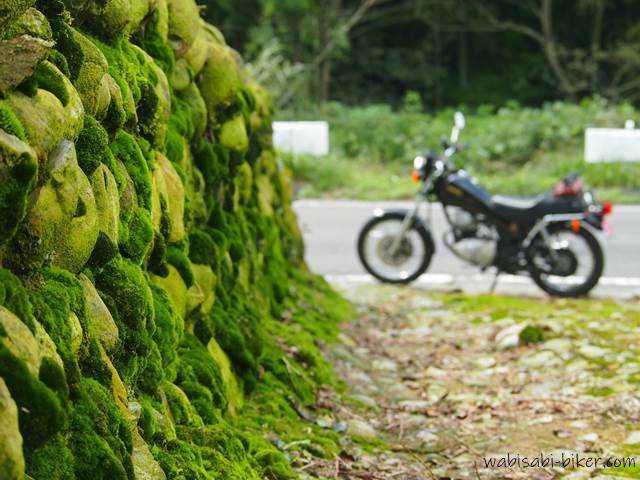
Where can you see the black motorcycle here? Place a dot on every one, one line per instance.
(551, 237)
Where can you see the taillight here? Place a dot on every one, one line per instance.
(607, 208)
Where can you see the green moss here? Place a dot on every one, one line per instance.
(193, 101)
(11, 11)
(53, 460)
(116, 116)
(169, 329)
(60, 61)
(139, 236)
(147, 109)
(157, 263)
(104, 251)
(147, 422)
(233, 134)
(53, 303)
(179, 259)
(174, 146)
(202, 248)
(126, 149)
(41, 413)
(201, 379)
(29, 86)
(600, 391)
(181, 410)
(123, 287)
(531, 334)
(15, 298)
(92, 145)
(219, 80)
(53, 377)
(93, 457)
(180, 460)
(49, 78)
(223, 206)
(69, 46)
(151, 40)
(10, 123)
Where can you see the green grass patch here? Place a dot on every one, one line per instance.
(511, 150)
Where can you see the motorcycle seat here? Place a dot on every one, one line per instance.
(520, 209)
(527, 210)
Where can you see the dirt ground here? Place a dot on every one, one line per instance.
(438, 386)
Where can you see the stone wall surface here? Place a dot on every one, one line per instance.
(146, 243)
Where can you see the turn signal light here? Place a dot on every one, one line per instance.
(415, 176)
(607, 208)
(575, 226)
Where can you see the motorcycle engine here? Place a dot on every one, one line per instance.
(470, 238)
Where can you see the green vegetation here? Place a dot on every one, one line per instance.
(459, 51)
(512, 150)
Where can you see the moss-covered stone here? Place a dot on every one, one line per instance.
(176, 214)
(101, 323)
(145, 467)
(19, 340)
(138, 241)
(19, 58)
(154, 107)
(234, 394)
(40, 412)
(181, 410)
(184, 23)
(198, 52)
(197, 109)
(64, 216)
(233, 134)
(11, 458)
(105, 190)
(174, 200)
(219, 80)
(201, 295)
(33, 23)
(89, 70)
(175, 287)
(125, 291)
(45, 119)
(109, 18)
(18, 170)
(11, 10)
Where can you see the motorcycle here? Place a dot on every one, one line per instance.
(551, 237)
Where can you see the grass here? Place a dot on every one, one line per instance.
(335, 176)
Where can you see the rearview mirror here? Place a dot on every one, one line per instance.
(458, 119)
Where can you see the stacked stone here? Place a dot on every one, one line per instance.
(145, 230)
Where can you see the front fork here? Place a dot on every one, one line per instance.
(406, 225)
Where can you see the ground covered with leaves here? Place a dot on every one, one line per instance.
(436, 386)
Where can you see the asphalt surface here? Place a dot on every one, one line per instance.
(330, 229)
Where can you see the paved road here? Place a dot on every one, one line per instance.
(330, 229)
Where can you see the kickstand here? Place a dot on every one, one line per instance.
(495, 281)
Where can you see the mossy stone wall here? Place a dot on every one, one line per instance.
(146, 236)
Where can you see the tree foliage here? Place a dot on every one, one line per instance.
(450, 51)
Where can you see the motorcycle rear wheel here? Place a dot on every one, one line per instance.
(565, 283)
(374, 249)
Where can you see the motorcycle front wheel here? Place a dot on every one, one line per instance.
(572, 263)
(389, 258)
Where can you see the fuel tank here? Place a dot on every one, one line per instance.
(459, 190)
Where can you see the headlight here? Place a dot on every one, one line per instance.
(419, 162)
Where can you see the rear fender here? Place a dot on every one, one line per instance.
(594, 220)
